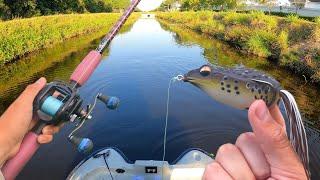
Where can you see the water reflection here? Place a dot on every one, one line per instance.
(137, 70)
(56, 62)
(306, 94)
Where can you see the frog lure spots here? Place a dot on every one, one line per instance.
(239, 87)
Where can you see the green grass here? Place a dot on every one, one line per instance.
(22, 36)
(317, 21)
(294, 42)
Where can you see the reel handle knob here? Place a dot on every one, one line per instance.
(84, 145)
(111, 102)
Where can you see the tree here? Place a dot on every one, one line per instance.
(60, 6)
(96, 6)
(119, 4)
(269, 3)
(22, 8)
(299, 4)
(200, 4)
(167, 4)
(28, 8)
(4, 10)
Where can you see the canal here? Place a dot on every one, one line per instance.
(137, 69)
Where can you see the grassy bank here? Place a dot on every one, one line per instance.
(22, 36)
(65, 56)
(218, 52)
(293, 42)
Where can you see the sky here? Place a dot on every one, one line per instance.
(147, 5)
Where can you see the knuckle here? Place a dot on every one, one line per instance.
(279, 137)
(30, 87)
(227, 148)
(212, 168)
(245, 137)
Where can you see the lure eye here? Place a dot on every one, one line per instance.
(205, 70)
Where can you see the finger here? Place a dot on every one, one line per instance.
(32, 90)
(48, 130)
(19, 113)
(214, 171)
(232, 160)
(32, 124)
(44, 139)
(254, 156)
(277, 115)
(272, 137)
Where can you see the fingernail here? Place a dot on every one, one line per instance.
(262, 111)
(40, 81)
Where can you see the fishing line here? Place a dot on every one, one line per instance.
(174, 79)
(105, 161)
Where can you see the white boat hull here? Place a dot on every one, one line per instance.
(189, 166)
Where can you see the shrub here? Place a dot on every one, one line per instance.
(283, 41)
(21, 36)
(293, 41)
(258, 46)
(293, 18)
(317, 21)
(264, 44)
(234, 18)
(260, 20)
(96, 6)
(300, 32)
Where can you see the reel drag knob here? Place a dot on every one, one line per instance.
(111, 102)
(84, 145)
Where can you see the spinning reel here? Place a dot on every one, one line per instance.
(60, 102)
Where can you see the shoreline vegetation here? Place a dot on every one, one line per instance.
(23, 36)
(54, 62)
(289, 41)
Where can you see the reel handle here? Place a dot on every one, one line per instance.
(110, 102)
(28, 148)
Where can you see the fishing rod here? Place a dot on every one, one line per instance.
(60, 102)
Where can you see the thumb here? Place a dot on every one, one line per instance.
(271, 136)
(32, 90)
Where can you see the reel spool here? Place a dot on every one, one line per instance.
(57, 102)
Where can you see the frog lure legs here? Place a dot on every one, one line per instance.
(239, 87)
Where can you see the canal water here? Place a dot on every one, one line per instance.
(313, 5)
(137, 69)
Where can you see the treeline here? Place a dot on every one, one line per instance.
(27, 8)
(196, 5)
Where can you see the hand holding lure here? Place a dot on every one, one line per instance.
(239, 87)
(60, 102)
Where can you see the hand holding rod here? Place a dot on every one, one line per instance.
(27, 149)
(81, 74)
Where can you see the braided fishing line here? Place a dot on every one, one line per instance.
(174, 79)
